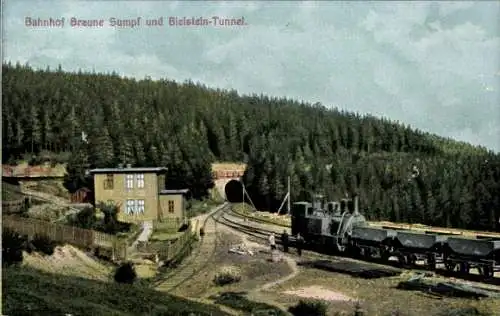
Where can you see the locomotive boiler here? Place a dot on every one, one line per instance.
(327, 225)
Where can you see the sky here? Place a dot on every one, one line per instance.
(432, 65)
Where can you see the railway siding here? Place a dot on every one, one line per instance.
(245, 220)
(196, 262)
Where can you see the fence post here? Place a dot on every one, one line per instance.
(125, 251)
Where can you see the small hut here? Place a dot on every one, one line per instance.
(82, 195)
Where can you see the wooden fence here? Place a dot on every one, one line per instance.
(167, 250)
(66, 234)
(14, 206)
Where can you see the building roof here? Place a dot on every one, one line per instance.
(182, 191)
(83, 190)
(130, 170)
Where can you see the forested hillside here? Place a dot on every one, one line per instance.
(186, 127)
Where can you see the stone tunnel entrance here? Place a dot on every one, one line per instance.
(234, 191)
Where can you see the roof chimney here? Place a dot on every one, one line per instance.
(120, 166)
(129, 165)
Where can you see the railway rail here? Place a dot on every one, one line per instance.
(198, 260)
(260, 231)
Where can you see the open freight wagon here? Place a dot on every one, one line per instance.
(457, 254)
(461, 254)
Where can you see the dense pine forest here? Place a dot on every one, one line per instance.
(401, 174)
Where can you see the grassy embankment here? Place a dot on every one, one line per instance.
(35, 292)
(247, 210)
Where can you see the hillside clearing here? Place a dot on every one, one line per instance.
(40, 293)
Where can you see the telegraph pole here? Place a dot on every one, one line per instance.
(246, 193)
(287, 199)
(242, 192)
(289, 194)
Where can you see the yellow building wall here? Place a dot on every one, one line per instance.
(120, 194)
(178, 217)
(161, 182)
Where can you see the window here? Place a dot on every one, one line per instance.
(170, 206)
(135, 207)
(130, 181)
(108, 182)
(140, 181)
(130, 207)
(139, 206)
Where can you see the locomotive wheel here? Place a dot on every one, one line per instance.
(384, 255)
(402, 260)
(355, 251)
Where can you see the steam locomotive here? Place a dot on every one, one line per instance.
(338, 227)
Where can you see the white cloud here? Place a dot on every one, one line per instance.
(433, 65)
(447, 8)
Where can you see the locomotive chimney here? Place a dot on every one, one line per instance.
(318, 201)
(356, 205)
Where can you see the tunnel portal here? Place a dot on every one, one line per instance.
(234, 191)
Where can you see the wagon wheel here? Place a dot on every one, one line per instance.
(450, 266)
(367, 253)
(402, 260)
(486, 271)
(412, 259)
(430, 262)
(464, 268)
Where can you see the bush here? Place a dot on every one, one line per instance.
(43, 244)
(309, 308)
(125, 273)
(86, 218)
(13, 245)
(227, 275)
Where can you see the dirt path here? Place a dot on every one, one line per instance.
(46, 197)
(295, 270)
(289, 260)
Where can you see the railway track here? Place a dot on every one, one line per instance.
(197, 261)
(242, 224)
